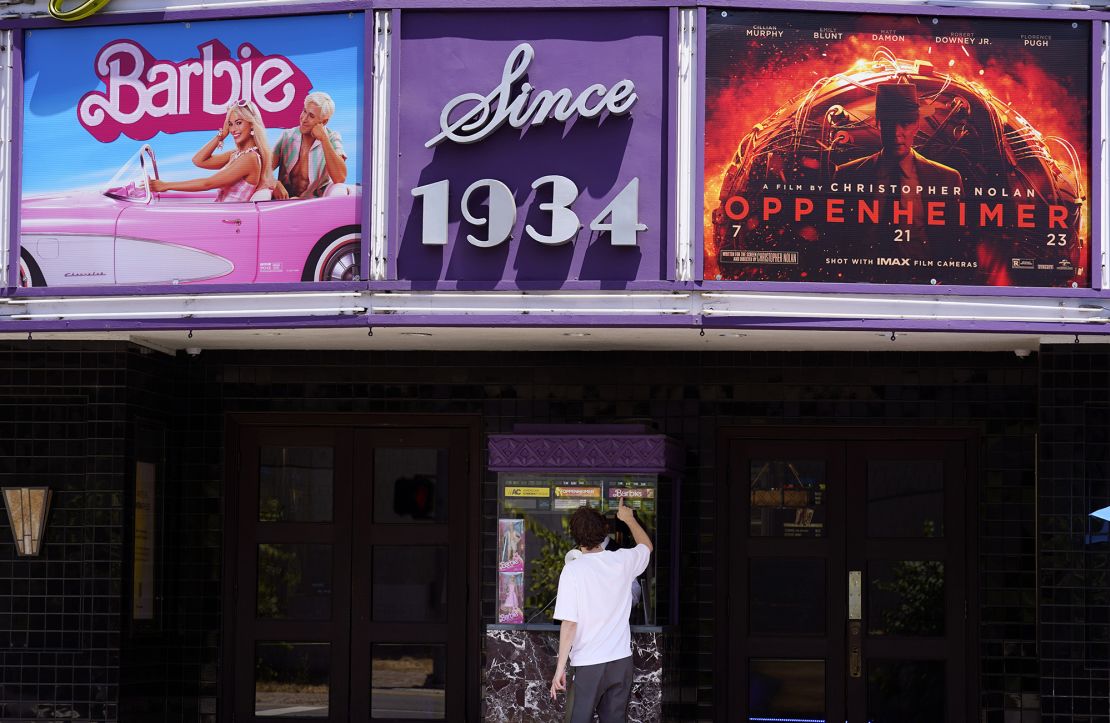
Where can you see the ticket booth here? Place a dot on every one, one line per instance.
(544, 474)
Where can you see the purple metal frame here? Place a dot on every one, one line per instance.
(880, 8)
(1098, 37)
(215, 13)
(1094, 17)
(561, 321)
(393, 220)
(20, 25)
(15, 170)
(698, 213)
(367, 139)
(671, 203)
(1094, 161)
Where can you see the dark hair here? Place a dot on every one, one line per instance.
(588, 527)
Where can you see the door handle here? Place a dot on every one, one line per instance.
(855, 623)
(233, 220)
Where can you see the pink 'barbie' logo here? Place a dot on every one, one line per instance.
(143, 96)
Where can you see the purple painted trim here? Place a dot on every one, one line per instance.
(555, 321)
(16, 159)
(291, 322)
(886, 326)
(732, 286)
(802, 287)
(169, 289)
(216, 13)
(1096, 140)
(560, 321)
(522, 286)
(585, 450)
(528, 428)
(670, 151)
(358, 5)
(367, 140)
(698, 211)
(517, 5)
(879, 8)
(599, 323)
(393, 201)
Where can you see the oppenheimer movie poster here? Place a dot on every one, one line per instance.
(896, 149)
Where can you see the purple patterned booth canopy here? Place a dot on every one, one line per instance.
(612, 448)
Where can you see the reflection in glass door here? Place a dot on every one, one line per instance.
(847, 580)
(410, 570)
(351, 559)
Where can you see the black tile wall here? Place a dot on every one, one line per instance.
(62, 424)
(1074, 551)
(687, 395)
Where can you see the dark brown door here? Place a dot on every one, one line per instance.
(848, 579)
(351, 551)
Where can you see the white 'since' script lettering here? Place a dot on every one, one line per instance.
(481, 115)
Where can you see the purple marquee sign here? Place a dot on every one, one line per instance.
(536, 156)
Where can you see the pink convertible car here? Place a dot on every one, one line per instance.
(127, 235)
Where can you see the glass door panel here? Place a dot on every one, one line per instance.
(847, 578)
(787, 498)
(787, 596)
(408, 681)
(908, 537)
(786, 690)
(410, 544)
(791, 499)
(906, 691)
(350, 563)
(291, 679)
(291, 634)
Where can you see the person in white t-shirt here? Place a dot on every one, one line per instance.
(593, 605)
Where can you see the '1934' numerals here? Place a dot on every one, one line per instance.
(620, 218)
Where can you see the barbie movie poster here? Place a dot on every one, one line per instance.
(510, 597)
(510, 545)
(896, 149)
(215, 152)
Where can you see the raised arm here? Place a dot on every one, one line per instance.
(205, 159)
(333, 162)
(624, 514)
(241, 168)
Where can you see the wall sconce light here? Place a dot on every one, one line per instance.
(27, 509)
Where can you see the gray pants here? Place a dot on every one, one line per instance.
(604, 687)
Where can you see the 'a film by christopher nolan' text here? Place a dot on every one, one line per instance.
(896, 149)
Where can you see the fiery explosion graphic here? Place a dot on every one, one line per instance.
(1000, 117)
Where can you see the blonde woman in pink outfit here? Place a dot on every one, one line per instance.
(240, 171)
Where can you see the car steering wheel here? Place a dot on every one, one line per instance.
(149, 166)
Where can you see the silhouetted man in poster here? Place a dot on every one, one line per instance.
(897, 165)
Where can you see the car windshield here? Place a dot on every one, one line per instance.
(130, 181)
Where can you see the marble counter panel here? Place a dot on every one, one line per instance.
(519, 665)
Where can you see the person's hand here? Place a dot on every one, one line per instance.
(558, 683)
(280, 194)
(224, 131)
(624, 514)
(319, 132)
(157, 185)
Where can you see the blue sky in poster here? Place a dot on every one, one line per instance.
(60, 154)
